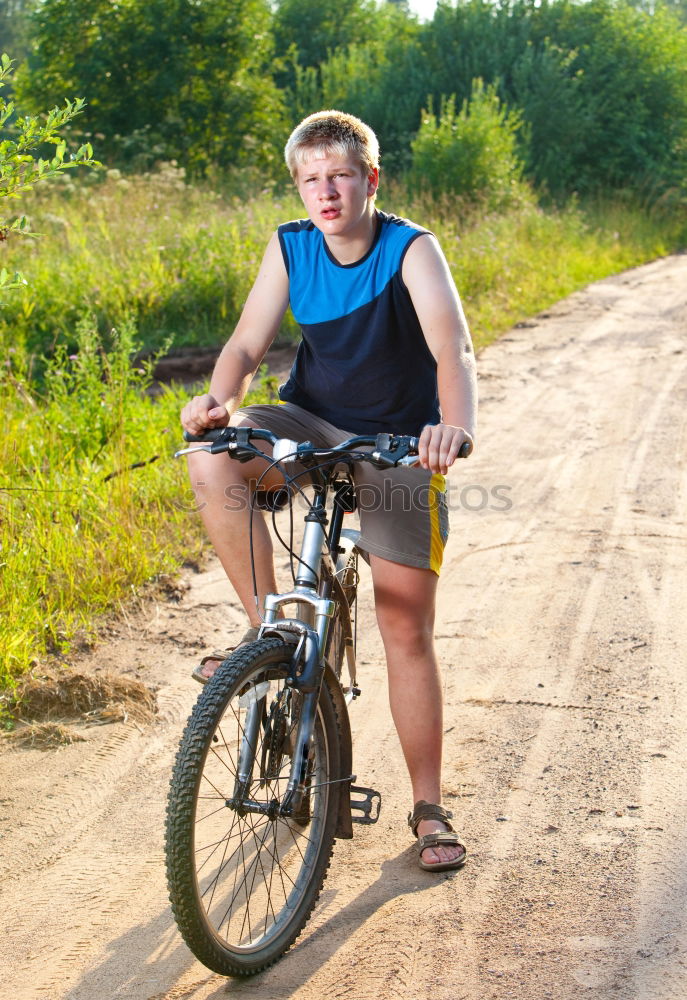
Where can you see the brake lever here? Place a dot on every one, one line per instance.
(192, 451)
(234, 440)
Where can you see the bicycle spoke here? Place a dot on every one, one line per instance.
(250, 893)
(216, 880)
(226, 841)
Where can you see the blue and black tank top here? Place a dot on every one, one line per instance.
(363, 363)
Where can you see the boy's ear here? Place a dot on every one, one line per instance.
(372, 182)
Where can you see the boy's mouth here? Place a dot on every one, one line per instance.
(330, 213)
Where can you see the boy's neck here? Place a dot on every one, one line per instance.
(352, 247)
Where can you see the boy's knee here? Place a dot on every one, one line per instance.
(404, 628)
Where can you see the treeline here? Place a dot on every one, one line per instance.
(588, 96)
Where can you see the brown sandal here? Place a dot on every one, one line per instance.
(221, 655)
(427, 810)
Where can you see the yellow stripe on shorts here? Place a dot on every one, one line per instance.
(437, 486)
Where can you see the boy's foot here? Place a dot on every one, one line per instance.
(439, 847)
(209, 664)
(446, 854)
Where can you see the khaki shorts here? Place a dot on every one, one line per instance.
(403, 512)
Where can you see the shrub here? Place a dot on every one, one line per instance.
(472, 153)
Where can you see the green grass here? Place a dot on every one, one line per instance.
(92, 505)
(176, 260)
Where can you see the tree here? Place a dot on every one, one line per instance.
(630, 73)
(382, 79)
(383, 87)
(316, 30)
(14, 15)
(677, 7)
(165, 78)
(542, 79)
(20, 169)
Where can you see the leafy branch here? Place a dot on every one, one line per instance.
(20, 169)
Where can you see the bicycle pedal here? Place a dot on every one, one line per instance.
(368, 803)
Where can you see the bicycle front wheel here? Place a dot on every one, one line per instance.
(243, 883)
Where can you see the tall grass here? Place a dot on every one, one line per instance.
(176, 260)
(92, 504)
(510, 265)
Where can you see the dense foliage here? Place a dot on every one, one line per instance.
(163, 77)
(14, 16)
(472, 152)
(601, 86)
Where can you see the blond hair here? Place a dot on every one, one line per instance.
(332, 132)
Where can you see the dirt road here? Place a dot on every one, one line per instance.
(562, 634)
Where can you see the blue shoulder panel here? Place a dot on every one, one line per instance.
(322, 289)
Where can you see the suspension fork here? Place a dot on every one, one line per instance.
(249, 742)
(305, 676)
(309, 683)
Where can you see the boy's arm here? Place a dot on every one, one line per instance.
(241, 356)
(433, 292)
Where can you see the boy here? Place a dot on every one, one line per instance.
(385, 348)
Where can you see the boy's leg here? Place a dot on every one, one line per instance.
(222, 488)
(405, 603)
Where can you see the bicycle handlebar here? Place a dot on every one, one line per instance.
(388, 450)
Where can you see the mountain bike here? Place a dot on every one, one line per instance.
(263, 784)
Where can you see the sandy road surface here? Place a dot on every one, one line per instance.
(562, 632)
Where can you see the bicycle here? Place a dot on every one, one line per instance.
(263, 784)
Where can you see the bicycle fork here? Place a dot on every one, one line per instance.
(305, 677)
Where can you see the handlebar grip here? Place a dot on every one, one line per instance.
(211, 434)
(414, 444)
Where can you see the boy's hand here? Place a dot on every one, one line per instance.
(439, 446)
(203, 412)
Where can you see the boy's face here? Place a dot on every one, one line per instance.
(337, 192)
